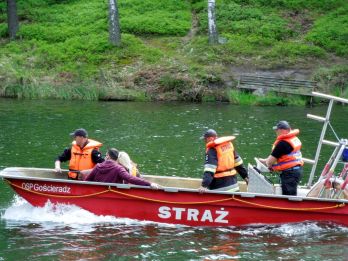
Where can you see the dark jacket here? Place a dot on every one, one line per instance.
(215, 183)
(111, 172)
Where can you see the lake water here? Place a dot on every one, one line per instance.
(163, 138)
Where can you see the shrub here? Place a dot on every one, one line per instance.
(245, 20)
(164, 17)
(331, 78)
(297, 50)
(3, 30)
(331, 31)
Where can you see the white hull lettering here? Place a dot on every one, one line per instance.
(192, 214)
(207, 216)
(164, 212)
(222, 214)
(46, 188)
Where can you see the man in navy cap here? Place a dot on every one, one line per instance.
(286, 157)
(83, 154)
(222, 163)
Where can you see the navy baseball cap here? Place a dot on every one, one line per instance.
(282, 125)
(209, 133)
(79, 132)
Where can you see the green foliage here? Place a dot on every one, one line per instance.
(245, 98)
(247, 45)
(271, 30)
(331, 31)
(62, 42)
(265, 49)
(3, 30)
(166, 17)
(295, 5)
(3, 10)
(332, 78)
(157, 22)
(81, 92)
(170, 83)
(246, 20)
(292, 52)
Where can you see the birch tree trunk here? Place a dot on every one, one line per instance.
(114, 24)
(12, 19)
(213, 33)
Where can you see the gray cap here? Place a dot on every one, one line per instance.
(79, 132)
(209, 133)
(282, 125)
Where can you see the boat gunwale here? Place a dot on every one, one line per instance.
(170, 189)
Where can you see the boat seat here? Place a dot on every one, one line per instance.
(176, 182)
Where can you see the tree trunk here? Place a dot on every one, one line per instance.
(213, 33)
(114, 24)
(12, 19)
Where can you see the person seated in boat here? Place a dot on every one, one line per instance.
(112, 172)
(286, 157)
(130, 166)
(222, 163)
(83, 154)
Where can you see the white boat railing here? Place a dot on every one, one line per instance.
(326, 121)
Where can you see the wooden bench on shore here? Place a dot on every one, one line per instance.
(299, 87)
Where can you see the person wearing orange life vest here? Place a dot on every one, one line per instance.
(222, 163)
(286, 157)
(83, 154)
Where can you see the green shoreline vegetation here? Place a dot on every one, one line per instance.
(62, 49)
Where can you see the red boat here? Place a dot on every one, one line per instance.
(179, 202)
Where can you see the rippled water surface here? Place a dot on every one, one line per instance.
(164, 140)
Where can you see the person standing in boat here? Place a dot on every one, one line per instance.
(110, 171)
(222, 163)
(286, 157)
(83, 154)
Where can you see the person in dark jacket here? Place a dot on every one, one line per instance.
(222, 163)
(111, 172)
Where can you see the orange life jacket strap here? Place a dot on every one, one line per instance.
(73, 174)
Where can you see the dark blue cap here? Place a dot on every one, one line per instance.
(282, 125)
(79, 132)
(209, 133)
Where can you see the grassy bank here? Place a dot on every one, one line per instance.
(62, 50)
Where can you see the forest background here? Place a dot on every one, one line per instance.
(62, 49)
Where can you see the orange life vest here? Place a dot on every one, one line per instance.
(225, 155)
(294, 158)
(134, 170)
(81, 159)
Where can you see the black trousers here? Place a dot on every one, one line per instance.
(289, 180)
